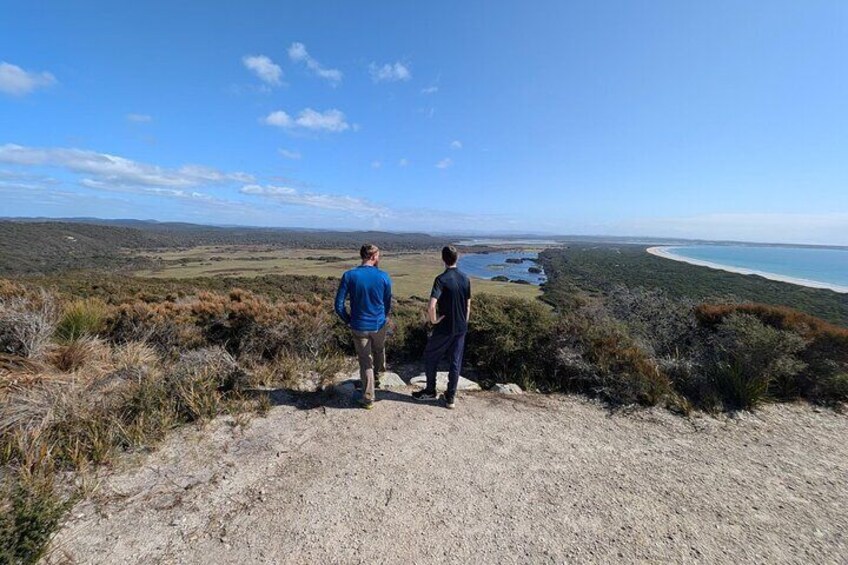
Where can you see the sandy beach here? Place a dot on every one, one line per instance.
(668, 253)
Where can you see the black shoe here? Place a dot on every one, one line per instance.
(424, 394)
(450, 401)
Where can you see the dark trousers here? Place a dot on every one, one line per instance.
(437, 347)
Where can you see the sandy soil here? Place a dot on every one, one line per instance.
(502, 479)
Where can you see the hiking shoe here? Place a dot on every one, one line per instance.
(450, 401)
(366, 404)
(424, 394)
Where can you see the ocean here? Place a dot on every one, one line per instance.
(822, 265)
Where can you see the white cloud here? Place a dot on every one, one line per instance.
(279, 119)
(444, 163)
(291, 196)
(139, 118)
(117, 171)
(288, 154)
(376, 164)
(430, 90)
(403, 162)
(299, 54)
(264, 68)
(390, 72)
(456, 144)
(18, 82)
(330, 120)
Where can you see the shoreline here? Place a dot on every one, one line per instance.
(666, 253)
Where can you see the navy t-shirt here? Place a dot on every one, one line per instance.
(452, 290)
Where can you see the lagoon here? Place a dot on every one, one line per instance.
(489, 265)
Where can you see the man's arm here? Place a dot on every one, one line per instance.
(468, 304)
(434, 300)
(341, 295)
(431, 312)
(387, 296)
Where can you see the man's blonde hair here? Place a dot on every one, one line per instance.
(368, 251)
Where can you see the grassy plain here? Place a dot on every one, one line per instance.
(412, 272)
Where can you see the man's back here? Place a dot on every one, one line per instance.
(370, 291)
(452, 291)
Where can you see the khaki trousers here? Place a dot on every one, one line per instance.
(371, 351)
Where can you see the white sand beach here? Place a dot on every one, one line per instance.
(668, 253)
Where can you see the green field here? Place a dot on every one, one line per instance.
(412, 272)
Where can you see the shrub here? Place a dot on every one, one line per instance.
(510, 339)
(27, 324)
(597, 356)
(667, 326)
(30, 511)
(82, 318)
(750, 360)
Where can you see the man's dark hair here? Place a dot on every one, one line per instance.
(368, 251)
(450, 255)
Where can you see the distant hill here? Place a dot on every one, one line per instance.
(49, 246)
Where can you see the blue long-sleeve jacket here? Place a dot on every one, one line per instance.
(370, 292)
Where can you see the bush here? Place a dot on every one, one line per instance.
(596, 355)
(82, 318)
(30, 511)
(750, 360)
(509, 339)
(667, 326)
(27, 324)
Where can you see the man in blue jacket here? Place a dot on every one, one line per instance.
(370, 292)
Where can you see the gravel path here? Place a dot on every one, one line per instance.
(502, 479)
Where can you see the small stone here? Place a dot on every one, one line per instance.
(508, 388)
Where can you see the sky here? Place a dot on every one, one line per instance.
(716, 120)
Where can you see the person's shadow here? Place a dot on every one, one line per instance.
(342, 396)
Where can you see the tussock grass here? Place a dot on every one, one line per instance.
(82, 318)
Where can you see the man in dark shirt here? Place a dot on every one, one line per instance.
(448, 311)
(370, 292)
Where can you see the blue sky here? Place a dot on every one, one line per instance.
(714, 119)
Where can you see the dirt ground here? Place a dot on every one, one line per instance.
(501, 479)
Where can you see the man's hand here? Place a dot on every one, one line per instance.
(439, 319)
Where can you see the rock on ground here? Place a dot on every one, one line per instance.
(508, 388)
(442, 382)
(501, 479)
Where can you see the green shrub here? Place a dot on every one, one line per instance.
(30, 511)
(751, 361)
(510, 339)
(596, 355)
(82, 318)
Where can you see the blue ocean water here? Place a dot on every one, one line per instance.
(810, 263)
(488, 265)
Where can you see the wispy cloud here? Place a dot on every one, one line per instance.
(117, 171)
(264, 68)
(330, 120)
(389, 72)
(444, 163)
(18, 82)
(377, 164)
(430, 89)
(139, 118)
(289, 154)
(456, 144)
(299, 54)
(403, 162)
(293, 197)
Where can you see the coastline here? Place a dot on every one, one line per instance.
(666, 253)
